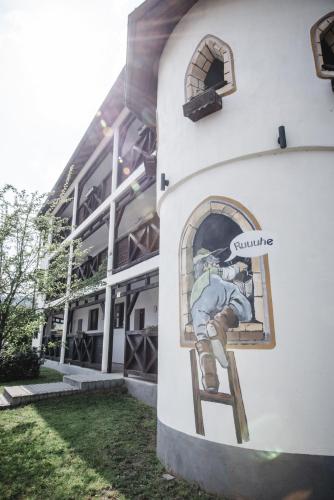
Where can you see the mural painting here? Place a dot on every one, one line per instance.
(225, 303)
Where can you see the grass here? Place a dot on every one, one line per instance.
(85, 446)
(46, 375)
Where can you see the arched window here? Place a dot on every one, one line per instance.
(209, 231)
(322, 37)
(211, 66)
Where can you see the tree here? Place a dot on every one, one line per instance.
(25, 248)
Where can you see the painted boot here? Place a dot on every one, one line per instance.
(207, 364)
(217, 329)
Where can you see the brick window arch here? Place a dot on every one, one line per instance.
(257, 333)
(211, 56)
(322, 38)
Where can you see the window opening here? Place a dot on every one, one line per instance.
(139, 319)
(327, 47)
(211, 66)
(215, 76)
(93, 319)
(79, 330)
(119, 315)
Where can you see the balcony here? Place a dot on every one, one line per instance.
(93, 199)
(137, 145)
(139, 244)
(91, 266)
(85, 349)
(141, 354)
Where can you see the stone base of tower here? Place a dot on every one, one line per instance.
(243, 473)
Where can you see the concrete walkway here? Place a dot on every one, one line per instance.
(68, 369)
(79, 382)
(139, 389)
(22, 394)
(77, 379)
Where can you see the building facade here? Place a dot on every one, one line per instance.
(240, 96)
(112, 324)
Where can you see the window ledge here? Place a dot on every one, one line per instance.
(202, 105)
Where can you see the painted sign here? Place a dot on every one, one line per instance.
(252, 244)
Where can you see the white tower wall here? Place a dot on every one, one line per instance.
(233, 153)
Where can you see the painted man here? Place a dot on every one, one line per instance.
(216, 304)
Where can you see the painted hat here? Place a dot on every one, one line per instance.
(203, 253)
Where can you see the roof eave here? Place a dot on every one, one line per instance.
(149, 28)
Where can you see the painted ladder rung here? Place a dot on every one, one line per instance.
(219, 397)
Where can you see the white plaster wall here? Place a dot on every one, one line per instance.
(287, 391)
(83, 313)
(275, 77)
(96, 242)
(136, 211)
(147, 300)
(143, 267)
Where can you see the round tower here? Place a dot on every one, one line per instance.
(245, 113)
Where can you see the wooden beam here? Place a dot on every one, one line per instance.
(240, 419)
(219, 397)
(139, 289)
(142, 277)
(101, 301)
(134, 262)
(199, 425)
(132, 303)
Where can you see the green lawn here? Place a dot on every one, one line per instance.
(46, 375)
(85, 446)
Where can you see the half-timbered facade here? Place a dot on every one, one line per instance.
(111, 207)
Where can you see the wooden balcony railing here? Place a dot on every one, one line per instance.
(91, 266)
(143, 146)
(95, 196)
(141, 354)
(137, 245)
(85, 349)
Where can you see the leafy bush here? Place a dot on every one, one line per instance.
(19, 365)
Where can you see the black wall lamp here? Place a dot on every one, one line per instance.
(163, 182)
(281, 137)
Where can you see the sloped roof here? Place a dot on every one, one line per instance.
(149, 27)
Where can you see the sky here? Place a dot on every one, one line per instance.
(58, 60)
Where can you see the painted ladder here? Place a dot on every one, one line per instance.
(233, 399)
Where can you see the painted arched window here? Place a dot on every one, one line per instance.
(322, 37)
(210, 230)
(211, 66)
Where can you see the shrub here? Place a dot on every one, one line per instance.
(24, 364)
